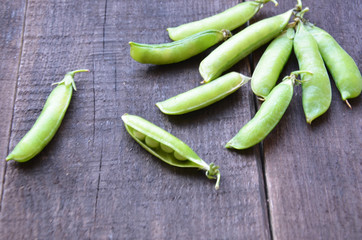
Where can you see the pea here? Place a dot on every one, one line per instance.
(151, 142)
(230, 19)
(267, 117)
(340, 64)
(48, 121)
(139, 135)
(166, 148)
(316, 88)
(177, 51)
(242, 44)
(203, 95)
(179, 157)
(183, 157)
(271, 63)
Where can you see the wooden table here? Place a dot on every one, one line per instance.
(93, 181)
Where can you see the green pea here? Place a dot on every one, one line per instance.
(271, 63)
(184, 156)
(230, 19)
(179, 156)
(177, 51)
(203, 95)
(241, 45)
(139, 135)
(166, 148)
(48, 121)
(340, 64)
(267, 117)
(316, 88)
(151, 142)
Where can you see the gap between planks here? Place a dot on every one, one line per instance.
(261, 158)
(13, 104)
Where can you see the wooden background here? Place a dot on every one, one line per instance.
(94, 182)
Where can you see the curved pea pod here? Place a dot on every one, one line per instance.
(267, 117)
(48, 121)
(241, 45)
(166, 146)
(316, 87)
(340, 64)
(203, 95)
(178, 51)
(272, 63)
(231, 19)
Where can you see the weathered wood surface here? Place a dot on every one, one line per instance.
(94, 182)
(314, 173)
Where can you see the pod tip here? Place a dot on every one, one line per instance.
(8, 158)
(348, 104)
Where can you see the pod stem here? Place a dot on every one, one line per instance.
(69, 78)
(214, 173)
(266, 1)
(77, 71)
(293, 76)
(226, 34)
(300, 14)
(299, 5)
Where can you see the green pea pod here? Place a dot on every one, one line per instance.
(177, 51)
(241, 45)
(271, 63)
(267, 117)
(316, 88)
(203, 95)
(340, 64)
(166, 146)
(48, 121)
(230, 19)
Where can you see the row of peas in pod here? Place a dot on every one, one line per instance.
(313, 48)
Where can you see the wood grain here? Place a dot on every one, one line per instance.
(139, 196)
(53, 196)
(12, 14)
(313, 173)
(92, 180)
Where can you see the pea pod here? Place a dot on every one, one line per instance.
(48, 121)
(230, 19)
(203, 95)
(166, 146)
(316, 88)
(271, 63)
(267, 117)
(241, 45)
(340, 64)
(177, 51)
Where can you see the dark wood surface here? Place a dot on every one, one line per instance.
(93, 181)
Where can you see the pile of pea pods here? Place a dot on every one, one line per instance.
(313, 47)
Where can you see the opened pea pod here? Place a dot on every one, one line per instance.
(230, 19)
(177, 51)
(48, 121)
(204, 95)
(166, 146)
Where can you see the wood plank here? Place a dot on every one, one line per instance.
(141, 197)
(93, 180)
(11, 29)
(313, 172)
(53, 196)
